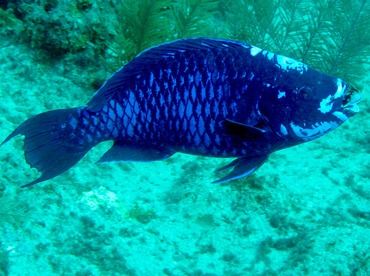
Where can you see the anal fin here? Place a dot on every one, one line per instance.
(242, 167)
(129, 152)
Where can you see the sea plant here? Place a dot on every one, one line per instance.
(331, 36)
(142, 24)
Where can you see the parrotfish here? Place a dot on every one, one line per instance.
(200, 96)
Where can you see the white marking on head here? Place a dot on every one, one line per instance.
(283, 130)
(281, 94)
(326, 105)
(255, 50)
(289, 63)
(268, 54)
(341, 89)
(317, 130)
(341, 116)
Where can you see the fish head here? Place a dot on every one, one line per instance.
(308, 106)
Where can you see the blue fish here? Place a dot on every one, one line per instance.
(201, 96)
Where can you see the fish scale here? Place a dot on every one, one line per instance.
(185, 123)
(201, 96)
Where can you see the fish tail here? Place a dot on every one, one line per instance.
(51, 144)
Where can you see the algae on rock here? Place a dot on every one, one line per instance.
(330, 35)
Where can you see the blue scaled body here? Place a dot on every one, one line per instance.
(200, 96)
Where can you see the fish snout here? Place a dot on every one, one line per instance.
(350, 100)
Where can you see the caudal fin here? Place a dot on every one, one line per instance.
(48, 143)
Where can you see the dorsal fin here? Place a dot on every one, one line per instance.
(144, 61)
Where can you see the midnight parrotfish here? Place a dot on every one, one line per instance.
(201, 96)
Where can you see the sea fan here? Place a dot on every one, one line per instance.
(194, 17)
(138, 25)
(331, 36)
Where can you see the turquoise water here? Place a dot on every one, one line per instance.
(305, 212)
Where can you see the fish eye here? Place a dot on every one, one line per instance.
(304, 93)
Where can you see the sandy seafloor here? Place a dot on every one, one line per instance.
(305, 212)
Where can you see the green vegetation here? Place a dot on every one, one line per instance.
(141, 215)
(61, 27)
(195, 17)
(7, 19)
(142, 24)
(9, 24)
(138, 25)
(331, 36)
(328, 35)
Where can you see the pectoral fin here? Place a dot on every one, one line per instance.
(242, 166)
(244, 131)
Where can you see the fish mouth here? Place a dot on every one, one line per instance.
(350, 100)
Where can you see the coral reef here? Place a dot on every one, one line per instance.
(329, 35)
(9, 24)
(60, 27)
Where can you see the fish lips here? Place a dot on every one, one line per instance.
(348, 106)
(350, 100)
